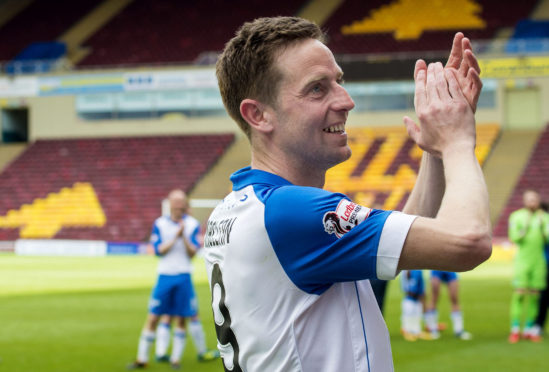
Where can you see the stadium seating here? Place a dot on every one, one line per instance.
(362, 26)
(164, 31)
(154, 31)
(534, 176)
(384, 165)
(100, 189)
(40, 21)
(529, 37)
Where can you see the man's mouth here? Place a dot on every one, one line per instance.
(339, 128)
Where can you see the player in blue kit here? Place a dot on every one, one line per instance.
(412, 305)
(289, 262)
(175, 241)
(456, 316)
(431, 315)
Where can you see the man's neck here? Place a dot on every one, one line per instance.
(175, 218)
(297, 174)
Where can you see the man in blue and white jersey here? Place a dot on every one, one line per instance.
(288, 262)
(412, 305)
(175, 241)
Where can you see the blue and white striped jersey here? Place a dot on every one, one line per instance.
(288, 268)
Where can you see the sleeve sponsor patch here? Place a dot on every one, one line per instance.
(346, 216)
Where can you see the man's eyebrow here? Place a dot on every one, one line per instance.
(322, 77)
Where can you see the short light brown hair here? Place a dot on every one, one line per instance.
(246, 68)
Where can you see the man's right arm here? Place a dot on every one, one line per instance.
(458, 238)
(517, 230)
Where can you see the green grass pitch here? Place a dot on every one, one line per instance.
(85, 314)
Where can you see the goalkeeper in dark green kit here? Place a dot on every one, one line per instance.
(529, 230)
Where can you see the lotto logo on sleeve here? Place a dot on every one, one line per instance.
(346, 216)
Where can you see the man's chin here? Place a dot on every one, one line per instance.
(343, 156)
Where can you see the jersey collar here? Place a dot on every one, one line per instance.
(248, 176)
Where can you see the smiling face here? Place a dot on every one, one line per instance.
(311, 108)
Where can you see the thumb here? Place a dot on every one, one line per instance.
(412, 128)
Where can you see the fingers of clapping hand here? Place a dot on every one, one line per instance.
(420, 98)
(453, 85)
(412, 129)
(441, 83)
(420, 76)
(475, 87)
(431, 84)
(456, 54)
(469, 56)
(420, 65)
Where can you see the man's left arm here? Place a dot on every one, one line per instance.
(429, 187)
(191, 242)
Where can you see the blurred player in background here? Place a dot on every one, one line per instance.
(175, 240)
(413, 302)
(431, 315)
(529, 230)
(283, 255)
(544, 296)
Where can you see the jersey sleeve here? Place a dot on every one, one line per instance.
(321, 238)
(194, 237)
(156, 238)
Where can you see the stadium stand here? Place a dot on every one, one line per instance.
(155, 31)
(165, 31)
(534, 176)
(40, 21)
(103, 189)
(530, 36)
(361, 27)
(384, 165)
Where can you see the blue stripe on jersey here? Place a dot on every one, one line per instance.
(294, 219)
(156, 238)
(363, 326)
(194, 237)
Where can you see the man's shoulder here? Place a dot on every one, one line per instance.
(190, 219)
(303, 194)
(161, 222)
(518, 213)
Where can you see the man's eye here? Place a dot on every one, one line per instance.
(316, 89)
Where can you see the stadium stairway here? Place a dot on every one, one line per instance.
(216, 184)
(533, 176)
(88, 25)
(319, 11)
(10, 9)
(9, 152)
(505, 165)
(541, 13)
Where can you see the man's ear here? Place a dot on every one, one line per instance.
(256, 114)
